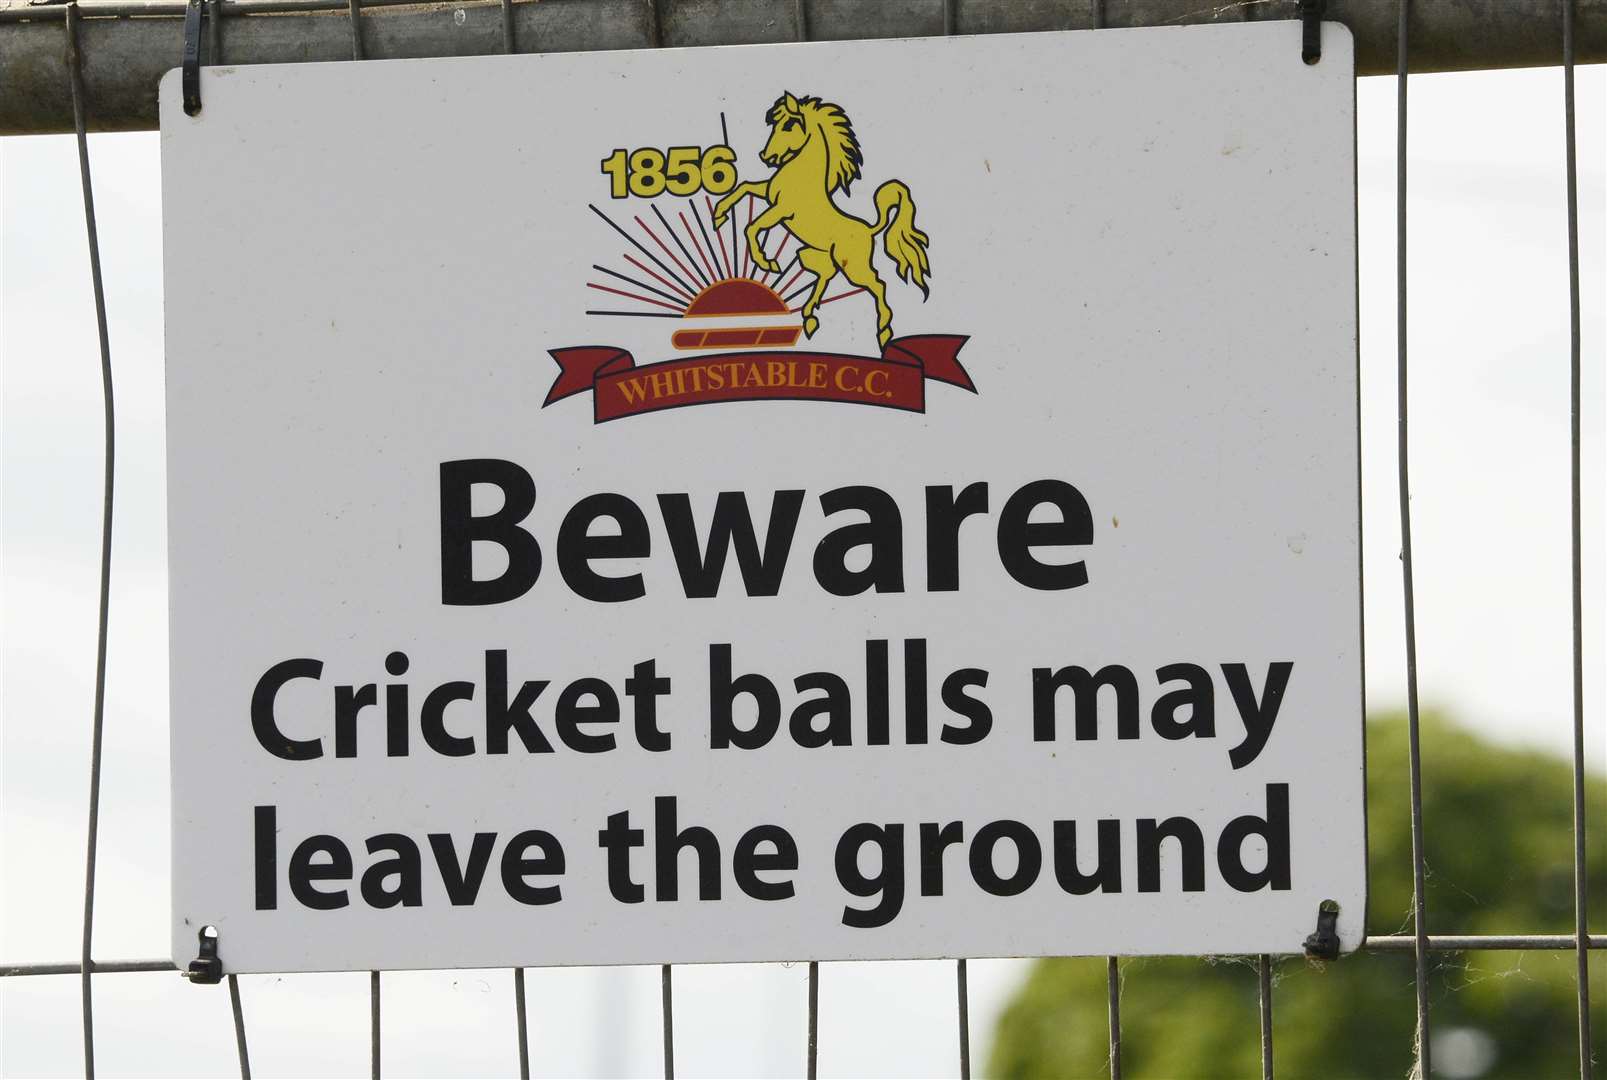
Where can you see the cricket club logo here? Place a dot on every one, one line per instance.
(732, 286)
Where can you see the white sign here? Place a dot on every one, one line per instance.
(857, 500)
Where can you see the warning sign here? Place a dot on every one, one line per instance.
(857, 500)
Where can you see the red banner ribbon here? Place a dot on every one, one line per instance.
(894, 380)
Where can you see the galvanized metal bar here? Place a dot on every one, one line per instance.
(1264, 979)
(962, 985)
(13, 12)
(1483, 942)
(75, 71)
(73, 967)
(667, 1001)
(1382, 942)
(1113, 1014)
(373, 1024)
(521, 1018)
(1581, 893)
(132, 43)
(812, 1038)
(1403, 478)
(240, 1049)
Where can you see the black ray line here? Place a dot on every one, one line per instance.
(637, 245)
(799, 291)
(639, 314)
(714, 249)
(696, 269)
(656, 292)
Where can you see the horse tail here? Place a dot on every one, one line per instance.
(905, 244)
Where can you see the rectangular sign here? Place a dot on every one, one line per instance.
(847, 500)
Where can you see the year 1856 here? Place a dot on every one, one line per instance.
(680, 170)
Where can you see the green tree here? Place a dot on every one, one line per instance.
(1499, 857)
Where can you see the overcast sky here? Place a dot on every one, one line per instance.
(1490, 481)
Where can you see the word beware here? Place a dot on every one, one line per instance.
(1038, 515)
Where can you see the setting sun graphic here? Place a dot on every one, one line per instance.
(709, 280)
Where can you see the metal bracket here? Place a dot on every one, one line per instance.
(1311, 13)
(206, 968)
(191, 74)
(1323, 943)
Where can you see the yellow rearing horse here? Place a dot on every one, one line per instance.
(814, 153)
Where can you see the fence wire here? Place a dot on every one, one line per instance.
(1420, 942)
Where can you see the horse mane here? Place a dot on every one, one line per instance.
(843, 157)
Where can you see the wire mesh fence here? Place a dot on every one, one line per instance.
(1419, 941)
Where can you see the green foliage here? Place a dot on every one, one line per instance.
(1499, 852)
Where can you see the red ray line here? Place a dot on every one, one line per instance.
(829, 299)
(725, 256)
(667, 251)
(785, 289)
(678, 288)
(633, 296)
(714, 275)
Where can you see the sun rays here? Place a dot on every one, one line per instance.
(681, 266)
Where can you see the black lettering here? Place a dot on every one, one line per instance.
(835, 704)
(876, 729)
(1274, 829)
(667, 846)
(578, 548)
(1085, 690)
(349, 701)
(570, 714)
(304, 872)
(263, 723)
(462, 880)
(882, 532)
(1018, 534)
(935, 840)
(944, 513)
(644, 688)
(1259, 716)
(747, 862)
(396, 707)
(701, 570)
(432, 720)
(617, 839)
(887, 884)
(1191, 847)
(1107, 875)
(973, 709)
(915, 691)
(266, 846)
(403, 866)
(1029, 858)
(723, 691)
(460, 529)
(1198, 696)
(501, 717)
(518, 864)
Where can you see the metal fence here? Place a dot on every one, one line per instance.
(1460, 36)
